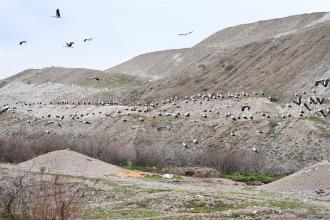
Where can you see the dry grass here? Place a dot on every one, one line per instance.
(24, 197)
(17, 149)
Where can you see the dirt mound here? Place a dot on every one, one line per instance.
(192, 171)
(69, 163)
(258, 31)
(314, 179)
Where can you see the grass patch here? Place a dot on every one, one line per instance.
(251, 177)
(295, 205)
(318, 120)
(153, 177)
(321, 123)
(98, 213)
(205, 207)
(134, 211)
(274, 123)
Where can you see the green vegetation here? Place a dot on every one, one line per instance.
(158, 177)
(274, 123)
(318, 120)
(321, 123)
(251, 177)
(305, 209)
(153, 177)
(206, 207)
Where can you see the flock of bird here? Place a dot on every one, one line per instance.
(67, 44)
(209, 105)
(312, 104)
(207, 102)
(71, 43)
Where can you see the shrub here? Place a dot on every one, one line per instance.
(22, 197)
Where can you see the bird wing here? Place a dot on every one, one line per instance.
(185, 34)
(318, 82)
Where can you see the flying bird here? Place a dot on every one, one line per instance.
(312, 101)
(186, 34)
(22, 42)
(88, 39)
(57, 14)
(320, 100)
(324, 82)
(298, 102)
(307, 107)
(69, 45)
(322, 112)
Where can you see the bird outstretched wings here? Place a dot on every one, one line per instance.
(88, 39)
(70, 44)
(185, 34)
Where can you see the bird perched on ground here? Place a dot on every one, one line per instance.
(22, 42)
(186, 34)
(69, 45)
(95, 77)
(88, 39)
(50, 122)
(57, 14)
(246, 107)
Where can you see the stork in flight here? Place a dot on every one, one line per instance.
(22, 42)
(186, 34)
(69, 45)
(88, 39)
(57, 14)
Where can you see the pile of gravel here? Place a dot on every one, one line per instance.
(67, 162)
(312, 179)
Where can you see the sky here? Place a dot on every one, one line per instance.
(121, 29)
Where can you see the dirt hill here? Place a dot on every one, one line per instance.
(313, 179)
(68, 162)
(280, 57)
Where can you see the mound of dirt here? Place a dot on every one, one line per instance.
(205, 172)
(67, 162)
(315, 179)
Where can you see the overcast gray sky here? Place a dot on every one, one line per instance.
(122, 28)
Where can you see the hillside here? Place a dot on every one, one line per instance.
(271, 56)
(138, 111)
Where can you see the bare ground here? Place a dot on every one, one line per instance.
(152, 197)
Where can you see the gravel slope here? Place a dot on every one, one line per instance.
(69, 163)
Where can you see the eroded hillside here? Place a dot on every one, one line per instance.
(184, 107)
